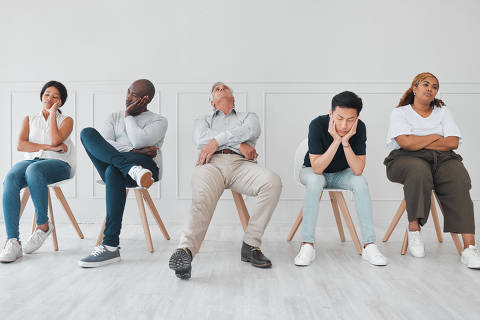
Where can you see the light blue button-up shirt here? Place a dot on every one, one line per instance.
(229, 130)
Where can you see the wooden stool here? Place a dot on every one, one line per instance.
(241, 209)
(141, 195)
(337, 200)
(433, 210)
(58, 192)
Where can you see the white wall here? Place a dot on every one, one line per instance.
(284, 59)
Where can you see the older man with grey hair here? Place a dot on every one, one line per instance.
(227, 160)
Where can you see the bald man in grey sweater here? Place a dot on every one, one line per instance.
(126, 154)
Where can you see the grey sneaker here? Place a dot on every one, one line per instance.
(100, 256)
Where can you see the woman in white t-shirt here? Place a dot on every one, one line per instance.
(422, 136)
(44, 138)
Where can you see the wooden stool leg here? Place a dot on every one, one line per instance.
(54, 231)
(336, 213)
(66, 207)
(155, 214)
(455, 238)
(241, 209)
(295, 226)
(436, 222)
(143, 217)
(348, 220)
(297, 222)
(457, 242)
(34, 221)
(100, 236)
(405, 243)
(396, 218)
(23, 203)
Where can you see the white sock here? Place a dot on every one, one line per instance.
(110, 248)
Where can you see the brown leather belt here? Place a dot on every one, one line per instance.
(225, 151)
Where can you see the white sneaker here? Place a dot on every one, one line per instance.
(371, 254)
(305, 256)
(36, 239)
(416, 246)
(12, 251)
(471, 257)
(142, 176)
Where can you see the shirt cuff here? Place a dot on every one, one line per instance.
(221, 138)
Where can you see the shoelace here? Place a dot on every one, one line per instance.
(98, 250)
(8, 245)
(476, 249)
(37, 235)
(377, 253)
(416, 238)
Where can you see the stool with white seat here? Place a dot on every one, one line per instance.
(60, 196)
(336, 198)
(142, 195)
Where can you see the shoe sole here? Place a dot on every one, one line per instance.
(181, 263)
(471, 266)
(416, 256)
(146, 180)
(374, 264)
(10, 261)
(301, 265)
(261, 266)
(85, 264)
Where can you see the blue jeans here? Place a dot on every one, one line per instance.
(35, 174)
(113, 167)
(315, 183)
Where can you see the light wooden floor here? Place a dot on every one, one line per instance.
(339, 285)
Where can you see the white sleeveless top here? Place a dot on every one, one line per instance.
(39, 133)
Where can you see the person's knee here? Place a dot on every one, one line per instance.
(11, 179)
(87, 133)
(34, 173)
(420, 175)
(315, 182)
(272, 182)
(358, 183)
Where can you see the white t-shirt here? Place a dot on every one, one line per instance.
(39, 133)
(404, 120)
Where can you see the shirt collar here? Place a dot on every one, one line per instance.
(215, 112)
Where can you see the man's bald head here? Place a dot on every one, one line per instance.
(138, 90)
(144, 87)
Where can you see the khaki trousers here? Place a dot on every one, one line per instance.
(230, 171)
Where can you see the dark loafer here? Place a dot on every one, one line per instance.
(255, 256)
(181, 262)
